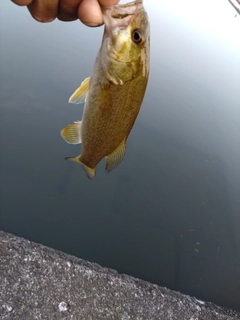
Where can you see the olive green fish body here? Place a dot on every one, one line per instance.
(115, 91)
(109, 120)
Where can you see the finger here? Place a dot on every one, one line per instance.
(68, 10)
(44, 10)
(89, 12)
(22, 2)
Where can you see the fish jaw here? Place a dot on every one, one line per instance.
(120, 15)
(119, 47)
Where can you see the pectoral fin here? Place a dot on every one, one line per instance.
(115, 158)
(91, 172)
(80, 94)
(72, 133)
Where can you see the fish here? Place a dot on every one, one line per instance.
(114, 93)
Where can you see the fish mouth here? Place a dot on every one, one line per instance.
(121, 15)
(120, 11)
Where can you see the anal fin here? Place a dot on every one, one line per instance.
(115, 158)
(72, 133)
(80, 94)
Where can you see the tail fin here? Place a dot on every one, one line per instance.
(91, 172)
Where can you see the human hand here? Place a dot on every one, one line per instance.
(88, 11)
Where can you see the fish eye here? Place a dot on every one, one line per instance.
(136, 36)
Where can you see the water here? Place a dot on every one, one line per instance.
(170, 213)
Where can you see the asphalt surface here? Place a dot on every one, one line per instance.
(37, 282)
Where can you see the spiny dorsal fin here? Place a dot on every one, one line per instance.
(115, 158)
(72, 133)
(81, 93)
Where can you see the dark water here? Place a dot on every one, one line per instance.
(170, 213)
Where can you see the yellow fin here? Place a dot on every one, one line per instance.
(72, 133)
(115, 158)
(80, 94)
(91, 172)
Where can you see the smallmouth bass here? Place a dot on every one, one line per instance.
(114, 93)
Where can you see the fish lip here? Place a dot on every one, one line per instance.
(121, 14)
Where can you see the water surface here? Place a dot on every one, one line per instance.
(170, 213)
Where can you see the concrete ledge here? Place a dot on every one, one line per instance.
(37, 282)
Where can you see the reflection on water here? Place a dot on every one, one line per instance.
(170, 213)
